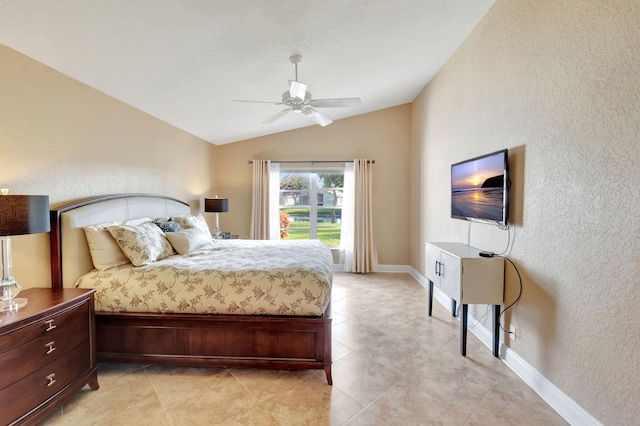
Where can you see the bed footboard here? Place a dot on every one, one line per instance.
(246, 341)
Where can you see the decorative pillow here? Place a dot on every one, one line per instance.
(105, 251)
(169, 226)
(196, 221)
(142, 244)
(188, 240)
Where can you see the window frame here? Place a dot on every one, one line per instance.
(312, 191)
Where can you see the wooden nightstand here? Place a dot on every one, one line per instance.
(47, 353)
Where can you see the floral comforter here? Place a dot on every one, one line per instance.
(243, 277)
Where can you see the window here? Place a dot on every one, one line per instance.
(311, 204)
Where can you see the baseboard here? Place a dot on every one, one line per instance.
(566, 407)
(395, 268)
(339, 267)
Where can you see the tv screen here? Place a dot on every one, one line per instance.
(479, 188)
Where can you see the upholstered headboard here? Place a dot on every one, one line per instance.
(70, 257)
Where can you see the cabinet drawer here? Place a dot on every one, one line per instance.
(44, 350)
(45, 326)
(35, 389)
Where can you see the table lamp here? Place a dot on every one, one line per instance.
(216, 205)
(19, 215)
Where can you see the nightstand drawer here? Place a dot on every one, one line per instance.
(48, 326)
(35, 389)
(44, 350)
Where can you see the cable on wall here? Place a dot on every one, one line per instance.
(517, 298)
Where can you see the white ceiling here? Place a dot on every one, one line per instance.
(185, 61)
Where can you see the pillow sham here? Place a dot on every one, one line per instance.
(105, 251)
(169, 225)
(195, 221)
(142, 244)
(188, 240)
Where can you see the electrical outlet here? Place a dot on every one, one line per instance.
(512, 331)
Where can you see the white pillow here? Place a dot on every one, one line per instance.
(105, 251)
(142, 244)
(188, 240)
(196, 221)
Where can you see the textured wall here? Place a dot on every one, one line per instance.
(382, 135)
(61, 138)
(556, 82)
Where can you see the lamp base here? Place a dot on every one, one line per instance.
(217, 233)
(13, 305)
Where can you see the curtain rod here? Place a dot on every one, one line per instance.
(316, 161)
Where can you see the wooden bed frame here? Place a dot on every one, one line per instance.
(249, 341)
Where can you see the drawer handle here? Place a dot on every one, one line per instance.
(51, 379)
(50, 347)
(49, 325)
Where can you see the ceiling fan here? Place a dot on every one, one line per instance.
(298, 100)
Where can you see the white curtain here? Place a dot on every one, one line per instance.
(346, 227)
(358, 250)
(274, 202)
(260, 202)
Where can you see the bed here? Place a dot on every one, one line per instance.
(255, 326)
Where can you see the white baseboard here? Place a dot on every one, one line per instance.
(566, 407)
(339, 267)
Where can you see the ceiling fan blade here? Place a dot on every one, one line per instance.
(297, 90)
(317, 117)
(257, 102)
(276, 116)
(336, 103)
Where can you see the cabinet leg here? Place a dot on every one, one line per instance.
(430, 296)
(463, 330)
(496, 331)
(454, 306)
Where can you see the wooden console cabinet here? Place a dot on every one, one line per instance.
(461, 273)
(47, 353)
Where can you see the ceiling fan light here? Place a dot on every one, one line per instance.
(297, 90)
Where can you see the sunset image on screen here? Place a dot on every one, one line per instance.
(477, 188)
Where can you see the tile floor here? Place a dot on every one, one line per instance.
(404, 368)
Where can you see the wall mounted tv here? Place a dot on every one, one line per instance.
(479, 189)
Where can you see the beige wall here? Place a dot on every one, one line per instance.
(556, 82)
(382, 135)
(61, 138)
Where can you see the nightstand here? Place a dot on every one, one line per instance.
(47, 353)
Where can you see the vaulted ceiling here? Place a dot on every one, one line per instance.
(185, 62)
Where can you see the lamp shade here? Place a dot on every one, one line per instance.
(216, 205)
(24, 214)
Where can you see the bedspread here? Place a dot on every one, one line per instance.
(244, 277)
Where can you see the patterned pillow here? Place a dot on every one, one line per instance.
(169, 226)
(105, 252)
(142, 244)
(196, 221)
(188, 240)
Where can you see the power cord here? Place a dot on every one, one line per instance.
(502, 228)
(517, 298)
(486, 313)
(508, 229)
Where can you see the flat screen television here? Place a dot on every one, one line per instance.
(479, 189)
